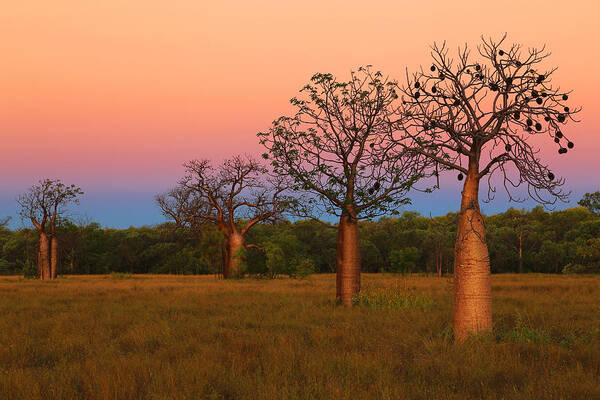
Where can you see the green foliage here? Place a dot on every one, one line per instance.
(523, 332)
(409, 242)
(591, 201)
(120, 275)
(404, 260)
(580, 269)
(393, 298)
(30, 270)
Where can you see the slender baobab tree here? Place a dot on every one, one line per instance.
(340, 148)
(478, 116)
(235, 196)
(44, 204)
(4, 221)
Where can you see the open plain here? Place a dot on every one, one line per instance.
(187, 337)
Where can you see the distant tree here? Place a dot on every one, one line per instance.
(477, 117)
(439, 232)
(235, 196)
(4, 221)
(44, 204)
(339, 146)
(591, 201)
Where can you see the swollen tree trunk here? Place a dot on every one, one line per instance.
(348, 260)
(53, 257)
(472, 281)
(44, 257)
(235, 244)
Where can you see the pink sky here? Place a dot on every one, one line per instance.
(115, 95)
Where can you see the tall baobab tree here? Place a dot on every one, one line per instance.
(44, 204)
(235, 196)
(477, 117)
(340, 148)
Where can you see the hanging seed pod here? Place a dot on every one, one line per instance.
(558, 134)
(460, 176)
(539, 100)
(433, 89)
(541, 78)
(417, 94)
(529, 122)
(501, 53)
(538, 126)
(432, 68)
(517, 115)
(534, 94)
(507, 147)
(417, 85)
(567, 109)
(565, 97)
(546, 118)
(478, 67)
(570, 145)
(550, 176)
(561, 118)
(556, 140)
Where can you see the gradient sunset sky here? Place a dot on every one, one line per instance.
(115, 95)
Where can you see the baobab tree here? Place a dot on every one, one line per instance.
(478, 116)
(44, 204)
(235, 196)
(339, 147)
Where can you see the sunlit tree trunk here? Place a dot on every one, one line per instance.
(44, 256)
(348, 260)
(233, 260)
(53, 257)
(439, 264)
(472, 290)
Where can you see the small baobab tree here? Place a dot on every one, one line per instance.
(44, 204)
(340, 148)
(236, 195)
(478, 116)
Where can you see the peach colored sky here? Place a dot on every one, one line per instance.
(114, 95)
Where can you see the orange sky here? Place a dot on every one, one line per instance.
(125, 91)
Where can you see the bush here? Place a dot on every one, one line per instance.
(30, 270)
(303, 268)
(573, 268)
(392, 298)
(404, 260)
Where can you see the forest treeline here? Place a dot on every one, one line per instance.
(566, 241)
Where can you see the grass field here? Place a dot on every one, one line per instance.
(172, 337)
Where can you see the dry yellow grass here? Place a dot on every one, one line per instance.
(172, 337)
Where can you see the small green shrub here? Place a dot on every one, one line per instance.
(393, 298)
(120, 275)
(573, 268)
(30, 270)
(523, 332)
